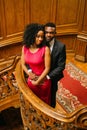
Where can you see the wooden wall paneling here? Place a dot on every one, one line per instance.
(86, 54)
(14, 21)
(14, 17)
(81, 42)
(69, 41)
(1, 34)
(10, 51)
(81, 50)
(27, 12)
(68, 14)
(41, 10)
(84, 27)
(68, 20)
(53, 10)
(2, 29)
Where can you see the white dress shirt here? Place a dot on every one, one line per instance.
(51, 44)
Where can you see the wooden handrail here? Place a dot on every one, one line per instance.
(38, 115)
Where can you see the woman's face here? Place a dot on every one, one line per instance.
(39, 37)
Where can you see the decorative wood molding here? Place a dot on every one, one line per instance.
(10, 41)
(81, 47)
(82, 36)
(80, 58)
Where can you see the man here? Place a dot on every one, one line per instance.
(58, 59)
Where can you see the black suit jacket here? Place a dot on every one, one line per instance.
(58, 61)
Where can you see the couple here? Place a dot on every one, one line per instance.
(45, 57)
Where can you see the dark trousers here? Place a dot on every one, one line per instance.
(53, 94)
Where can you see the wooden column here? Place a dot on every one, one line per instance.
(81, 48)
(81, 41)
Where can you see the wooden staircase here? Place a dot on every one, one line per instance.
(40, 116)
(34, 112)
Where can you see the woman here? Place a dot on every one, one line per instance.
(37, 56)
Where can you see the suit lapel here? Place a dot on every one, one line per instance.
(54, 48)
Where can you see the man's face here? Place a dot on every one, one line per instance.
(49, 33)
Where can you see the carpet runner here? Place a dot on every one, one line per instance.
(72, 89)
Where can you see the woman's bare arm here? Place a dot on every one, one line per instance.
(23, 62)
(30, 74)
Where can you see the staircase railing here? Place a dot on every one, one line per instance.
(9, 94)
(37, 115)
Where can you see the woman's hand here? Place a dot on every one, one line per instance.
(34, 82)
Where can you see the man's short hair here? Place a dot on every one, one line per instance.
(50, 24)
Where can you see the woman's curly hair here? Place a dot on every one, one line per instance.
(30, 33)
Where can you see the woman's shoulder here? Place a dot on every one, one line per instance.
(45, 48)
(24, 48)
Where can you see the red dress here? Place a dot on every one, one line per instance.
(36, 63)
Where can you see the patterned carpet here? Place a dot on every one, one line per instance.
(72, 89)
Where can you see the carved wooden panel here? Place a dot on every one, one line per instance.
(68, 15)
(9, 94)
(81, 50)
(69, 41)
(12, 21)
(81, 42)
(0, 27)
(84, 27)
(10, 51)
(1, 21)
(14, 17)
(40, 10)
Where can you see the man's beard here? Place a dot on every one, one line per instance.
(49, 39)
